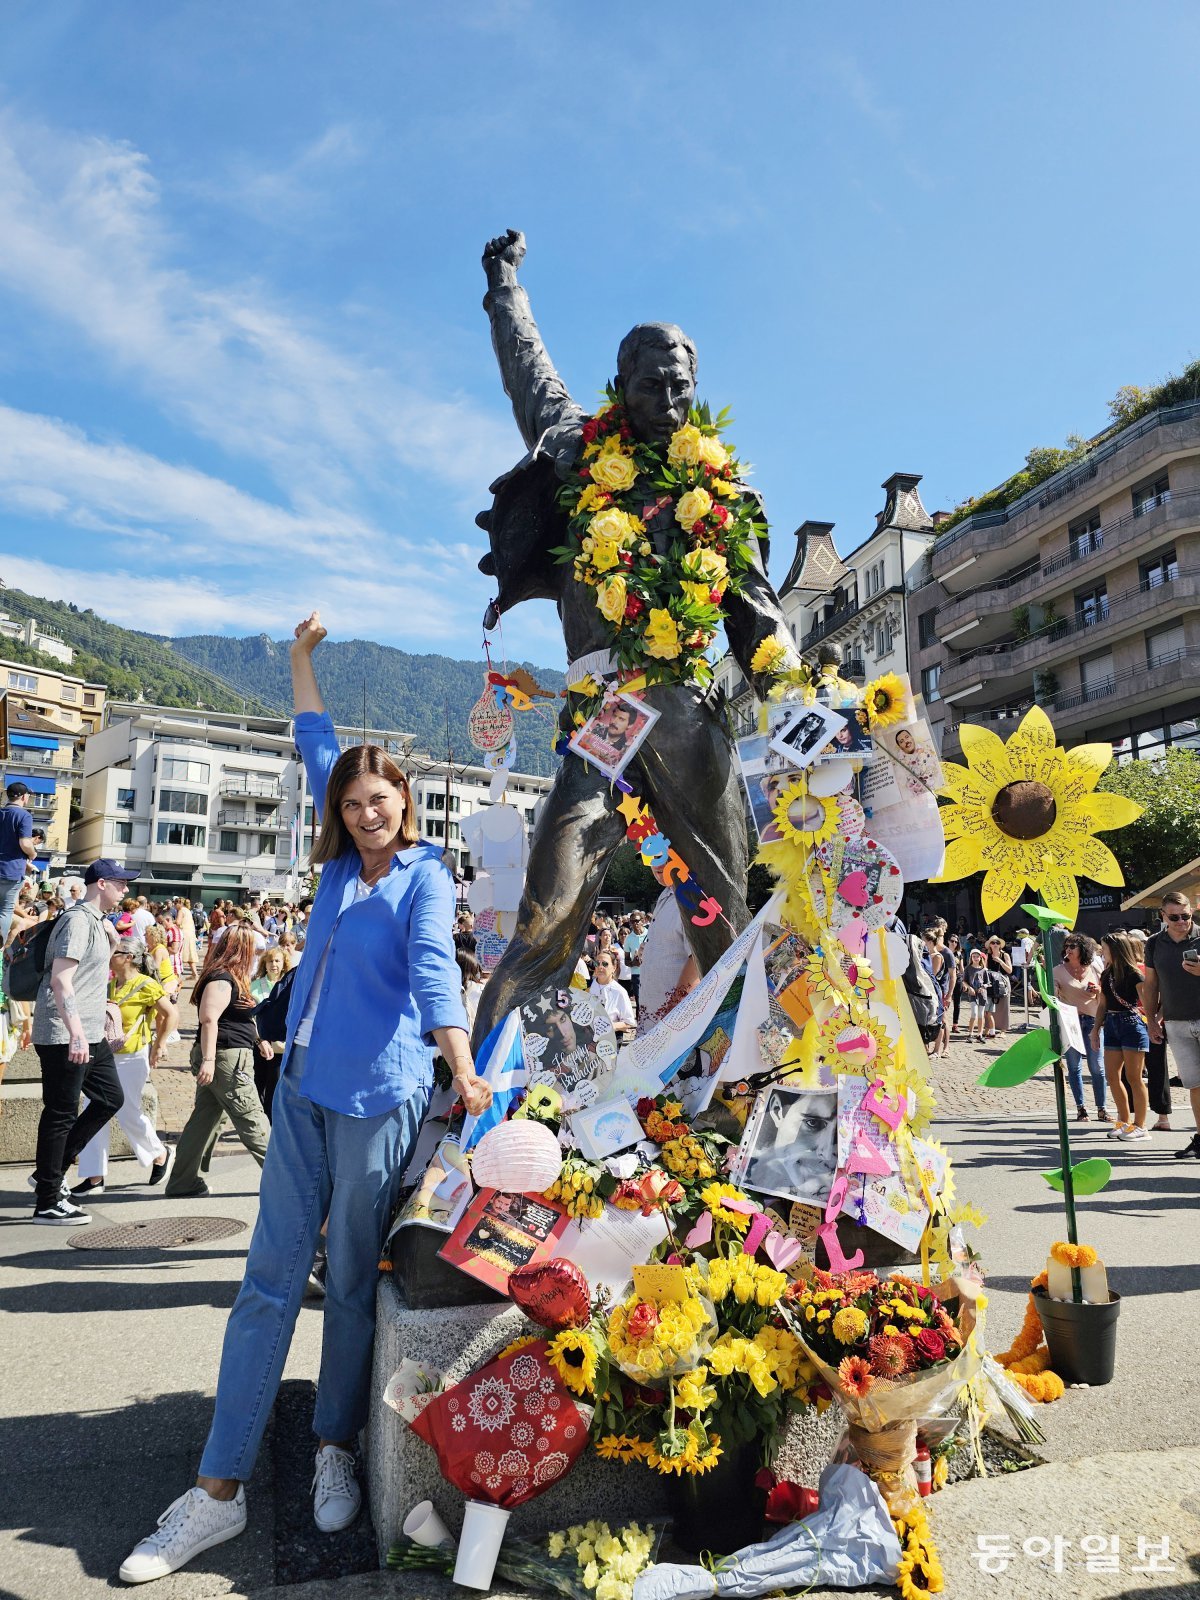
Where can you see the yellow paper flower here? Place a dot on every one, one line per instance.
(806, 819)
(886, 700)
(611, 597)
(662, 635)
(696, 503)
(614, 472)
(685, 446)
(1025, 812)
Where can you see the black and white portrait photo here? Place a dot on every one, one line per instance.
(789, 1147)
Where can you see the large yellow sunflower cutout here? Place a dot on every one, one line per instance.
(1025, 813)
(886, 700)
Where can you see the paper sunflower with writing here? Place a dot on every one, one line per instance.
(1025, 812)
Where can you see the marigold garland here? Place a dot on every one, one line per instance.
(1074, 1255)
(1026, 1361)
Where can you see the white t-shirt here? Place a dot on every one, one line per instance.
(142, 919)
(615, 1001)
(664, 954)
(305, 1028)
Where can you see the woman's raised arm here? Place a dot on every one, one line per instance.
(305, 694)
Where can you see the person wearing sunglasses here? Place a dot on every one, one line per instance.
(1171, 998)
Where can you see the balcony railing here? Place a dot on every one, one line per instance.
(239, 819)
(1111, 607)
(256, 788)
(1116, 684)
(1045, 492)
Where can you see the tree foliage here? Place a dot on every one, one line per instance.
(1167, 834)
(629, 877)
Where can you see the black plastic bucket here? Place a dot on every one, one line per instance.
(720, 1510)
(1081, 1339)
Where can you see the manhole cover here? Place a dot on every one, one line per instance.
(167, 1233)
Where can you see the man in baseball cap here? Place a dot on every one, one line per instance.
(68, 1035)
(17, 850)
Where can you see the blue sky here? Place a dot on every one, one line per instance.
(243, 363)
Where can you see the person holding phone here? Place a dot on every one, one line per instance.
(1171, 997)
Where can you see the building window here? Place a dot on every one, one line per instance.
(68, 691)
(266, 844)
(1096, 675)
(1085, 536)
(89, 699)
(883, 640)
(436, 801)
(1091, 606)
(185, 833)
(184, 771)
(927, 628)
(227, 842)
(122, 832)
(1165, 645)
(1151, 745)
(1186, 733)
(930, 679)
(264, 813)
(1159, 569)
(437, 829)
(1150, 495)
(125, 799)
(183, 802)
(22, 680)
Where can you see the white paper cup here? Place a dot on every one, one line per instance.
(423, 1526)
(479, 1544)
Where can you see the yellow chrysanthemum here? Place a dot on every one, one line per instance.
(770, 655)
(1025, 812)
(573, 1356)
(849, 1325)
(804, 818)
(886, 700)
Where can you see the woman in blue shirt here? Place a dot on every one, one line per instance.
(377, 986)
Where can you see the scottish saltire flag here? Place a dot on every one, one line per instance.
(501, 1060)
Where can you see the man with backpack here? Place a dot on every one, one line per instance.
(17, 849)
(72, 955)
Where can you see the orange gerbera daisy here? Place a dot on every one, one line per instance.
(855, 1375)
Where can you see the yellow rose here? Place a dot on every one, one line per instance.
(613, 472)
(706, 566)
(685, 447)
(712, 452)
(613, 525)
(724, 487)
(696, 503)
(699, 592)
(662, 635)
(610, 598)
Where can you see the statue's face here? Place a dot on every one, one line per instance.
(659, 391)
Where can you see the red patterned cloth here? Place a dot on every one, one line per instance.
(508, 1431)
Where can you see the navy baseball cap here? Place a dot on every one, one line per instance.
(105, 868)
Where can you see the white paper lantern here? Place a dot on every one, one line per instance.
(518, 1157)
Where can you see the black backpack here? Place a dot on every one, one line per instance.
(25, 962)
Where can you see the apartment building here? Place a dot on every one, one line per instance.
(856, 602)
(201, 801)
(46, 717)
(35, 635)
(1080, 596)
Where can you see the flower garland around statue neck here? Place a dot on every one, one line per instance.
(661, 598)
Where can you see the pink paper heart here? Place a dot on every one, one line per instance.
(853, 889)
(781, 1251)
(701, 1233)
(759, 1228)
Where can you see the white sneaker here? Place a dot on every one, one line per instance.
(193, 1523)
(1133, 1133)
(336, 1495)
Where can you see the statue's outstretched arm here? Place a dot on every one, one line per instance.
(752, 616)
(539, 396)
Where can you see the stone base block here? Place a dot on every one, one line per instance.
(21, 1110)
(402, 1469)
(24, 1068)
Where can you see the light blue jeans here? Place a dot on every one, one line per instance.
(10, 893)
(319, 1164)
(1093, 1040)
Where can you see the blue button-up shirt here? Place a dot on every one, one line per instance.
(390, 978)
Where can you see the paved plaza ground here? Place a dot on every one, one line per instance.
(110, 1360)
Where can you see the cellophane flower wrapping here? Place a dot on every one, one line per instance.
(676, 1340)
(507, 1432)
(589, 1561)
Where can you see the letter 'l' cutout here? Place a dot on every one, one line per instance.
(827, 1232)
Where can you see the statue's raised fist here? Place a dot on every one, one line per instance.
(507, 250)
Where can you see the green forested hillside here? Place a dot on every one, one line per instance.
(128, 664)
(418, 694)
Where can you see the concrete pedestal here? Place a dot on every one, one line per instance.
(21, 1110)
(402, 1469)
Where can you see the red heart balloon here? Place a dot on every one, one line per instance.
(555, 1294)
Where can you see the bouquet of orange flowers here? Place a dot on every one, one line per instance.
(892, 1355)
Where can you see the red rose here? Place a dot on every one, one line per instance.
(788, 1502)
(633, 609)
(626, 559)
(714, 598)
(720, 514)
(586, 472)
(720, 548)
(645, 1105)
(590, 429)
(931, 1345)
(643, 1320)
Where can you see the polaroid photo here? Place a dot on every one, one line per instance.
(610, 738)
(789, 1148)
(807, 732)
(604, 1128)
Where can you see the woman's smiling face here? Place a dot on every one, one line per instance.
(372, 810)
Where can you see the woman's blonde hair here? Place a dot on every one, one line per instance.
(361, 761)
(261, 970)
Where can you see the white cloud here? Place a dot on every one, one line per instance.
(293, 193)
(85, 242)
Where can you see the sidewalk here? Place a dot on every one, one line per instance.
(102, 1415)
